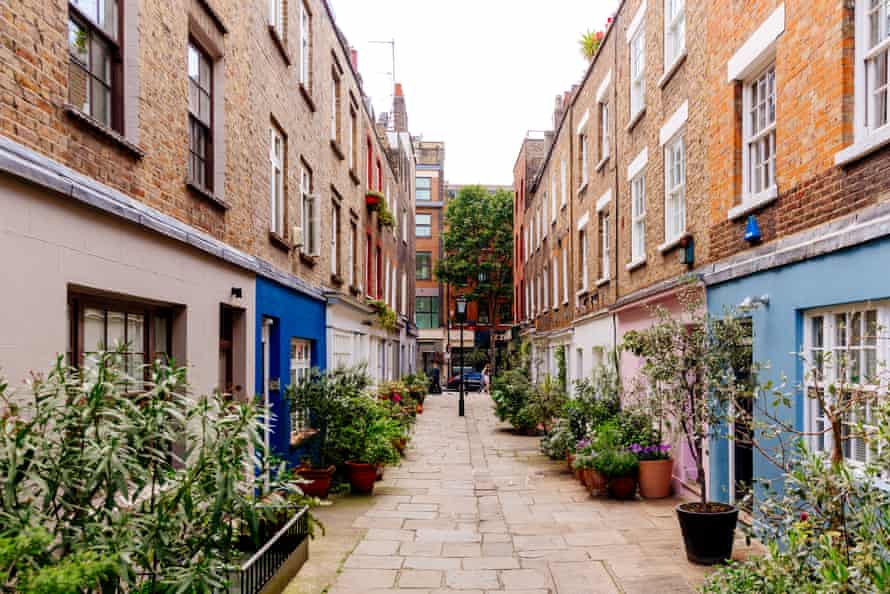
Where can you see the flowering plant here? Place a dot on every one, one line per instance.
(661, 451)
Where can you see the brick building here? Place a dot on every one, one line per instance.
(740, 146)
(191, 179)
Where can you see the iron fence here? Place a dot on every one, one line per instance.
(256, 572)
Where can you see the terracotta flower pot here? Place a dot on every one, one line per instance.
(419, 408)
(655, 478)
(321, 480)
(623, 487)
(362, 477)
(595, 482)
(570, 459)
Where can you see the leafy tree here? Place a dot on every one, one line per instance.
(478, 246)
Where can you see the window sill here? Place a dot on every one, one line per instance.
(102, 130)
(672, 69)
(336, 279)
(751, 204)
(308, 260)
(603, 281)
(581, 292)
(279, 241)
(602, 163)
(207, 195)
(279, 43)
(307, 97)
(871, 143)
(635, 119)
(562, 207)
(335, 146)
(301, 437)
(672, 243)
(583, 188)
(635, 264)
(354, 177)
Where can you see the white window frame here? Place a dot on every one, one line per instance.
(310, 215)
(877, 49)
(757, 140)
(553, 209)
(605, 246)
(675, 193)
(637, 50)
(585, 272)
(585, 159)
(546, 276)
(554, 268)
(276, 17)
(335, 107)
(351, 141)
(545, 226)
(300, 366)
(563, 175)
(353, 238)
(827, 368)
(638, 218)
(416, 226)
(605, 147)
(276, 163)
(565, 275)
(305, 46)
(335, 237)
(674, 31)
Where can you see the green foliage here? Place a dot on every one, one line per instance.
(109, 486)
(325, 396)
(384, 215)
(385, 315)
(596, 401)
(562, 369)
(368, 435)
(418, 384)
(590, 43)
(559, 441)
(547, 401)
(613, 463)
(512, 392)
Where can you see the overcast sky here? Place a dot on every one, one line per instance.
(477, 73)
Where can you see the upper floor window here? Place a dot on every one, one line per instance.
(584, 158)
(276, 162)
(95, 61)
(426, 312)
(335, 106)
(604, 130)
(563, 173)
(352, 140)
(336, 241)
(605, 245)
(553, 209)
(565, 276)
(545, 300)
(675, 188)
(424, 225)
(637, 72)
(674, 30)
(310, 210)
(554, 267)
(352, 254)
(200, 91)
(424, 263)
(759, 129)
(638, 218)
(424, 192)
(877, 63)
(585, 273)
(305, 46)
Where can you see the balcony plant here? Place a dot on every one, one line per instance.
(689, 367)
(324, 396)
(119, 484)
(373, 199)
(385, 315)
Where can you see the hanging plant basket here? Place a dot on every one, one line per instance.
(373, 199)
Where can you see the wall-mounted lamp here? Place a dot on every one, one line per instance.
(236, 292)
(752, 230)
(749, 303)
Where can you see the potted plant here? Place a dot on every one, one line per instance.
(595, 481)
(322, 396)
(373, 199)
(619, 467)
(417, 385)
(689, 365)
(366, 442)
(656, 469)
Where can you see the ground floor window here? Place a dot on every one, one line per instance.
(142, 333)
(300, 364)
(343, 349)
(845, 347)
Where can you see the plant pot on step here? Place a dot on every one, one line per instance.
(623, 487)
(655, 478)
(321, 480)
(708, 531)
(362, 477)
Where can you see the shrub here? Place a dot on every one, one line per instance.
(112, 485)
(512, 391)
(368, 435)
(559, 441)
(615, 463)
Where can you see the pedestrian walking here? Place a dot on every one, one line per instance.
(486, 378)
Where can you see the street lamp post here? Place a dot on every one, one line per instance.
(461, 318)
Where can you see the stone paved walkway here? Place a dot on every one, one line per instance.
(476, 509)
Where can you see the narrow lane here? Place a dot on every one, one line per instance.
(475, 508)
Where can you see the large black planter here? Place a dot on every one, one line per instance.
(708, 534)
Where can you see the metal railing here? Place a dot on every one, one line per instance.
(256, 572)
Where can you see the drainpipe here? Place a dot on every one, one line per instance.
(267, 328)
(617, 356)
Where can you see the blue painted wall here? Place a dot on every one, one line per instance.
(848, 276)
(295, 315)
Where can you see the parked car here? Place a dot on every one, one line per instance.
(472, 380)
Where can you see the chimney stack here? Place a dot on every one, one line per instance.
(558, 108)
(353, 53)
(399, 110)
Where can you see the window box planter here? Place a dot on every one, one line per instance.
(374, 199)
